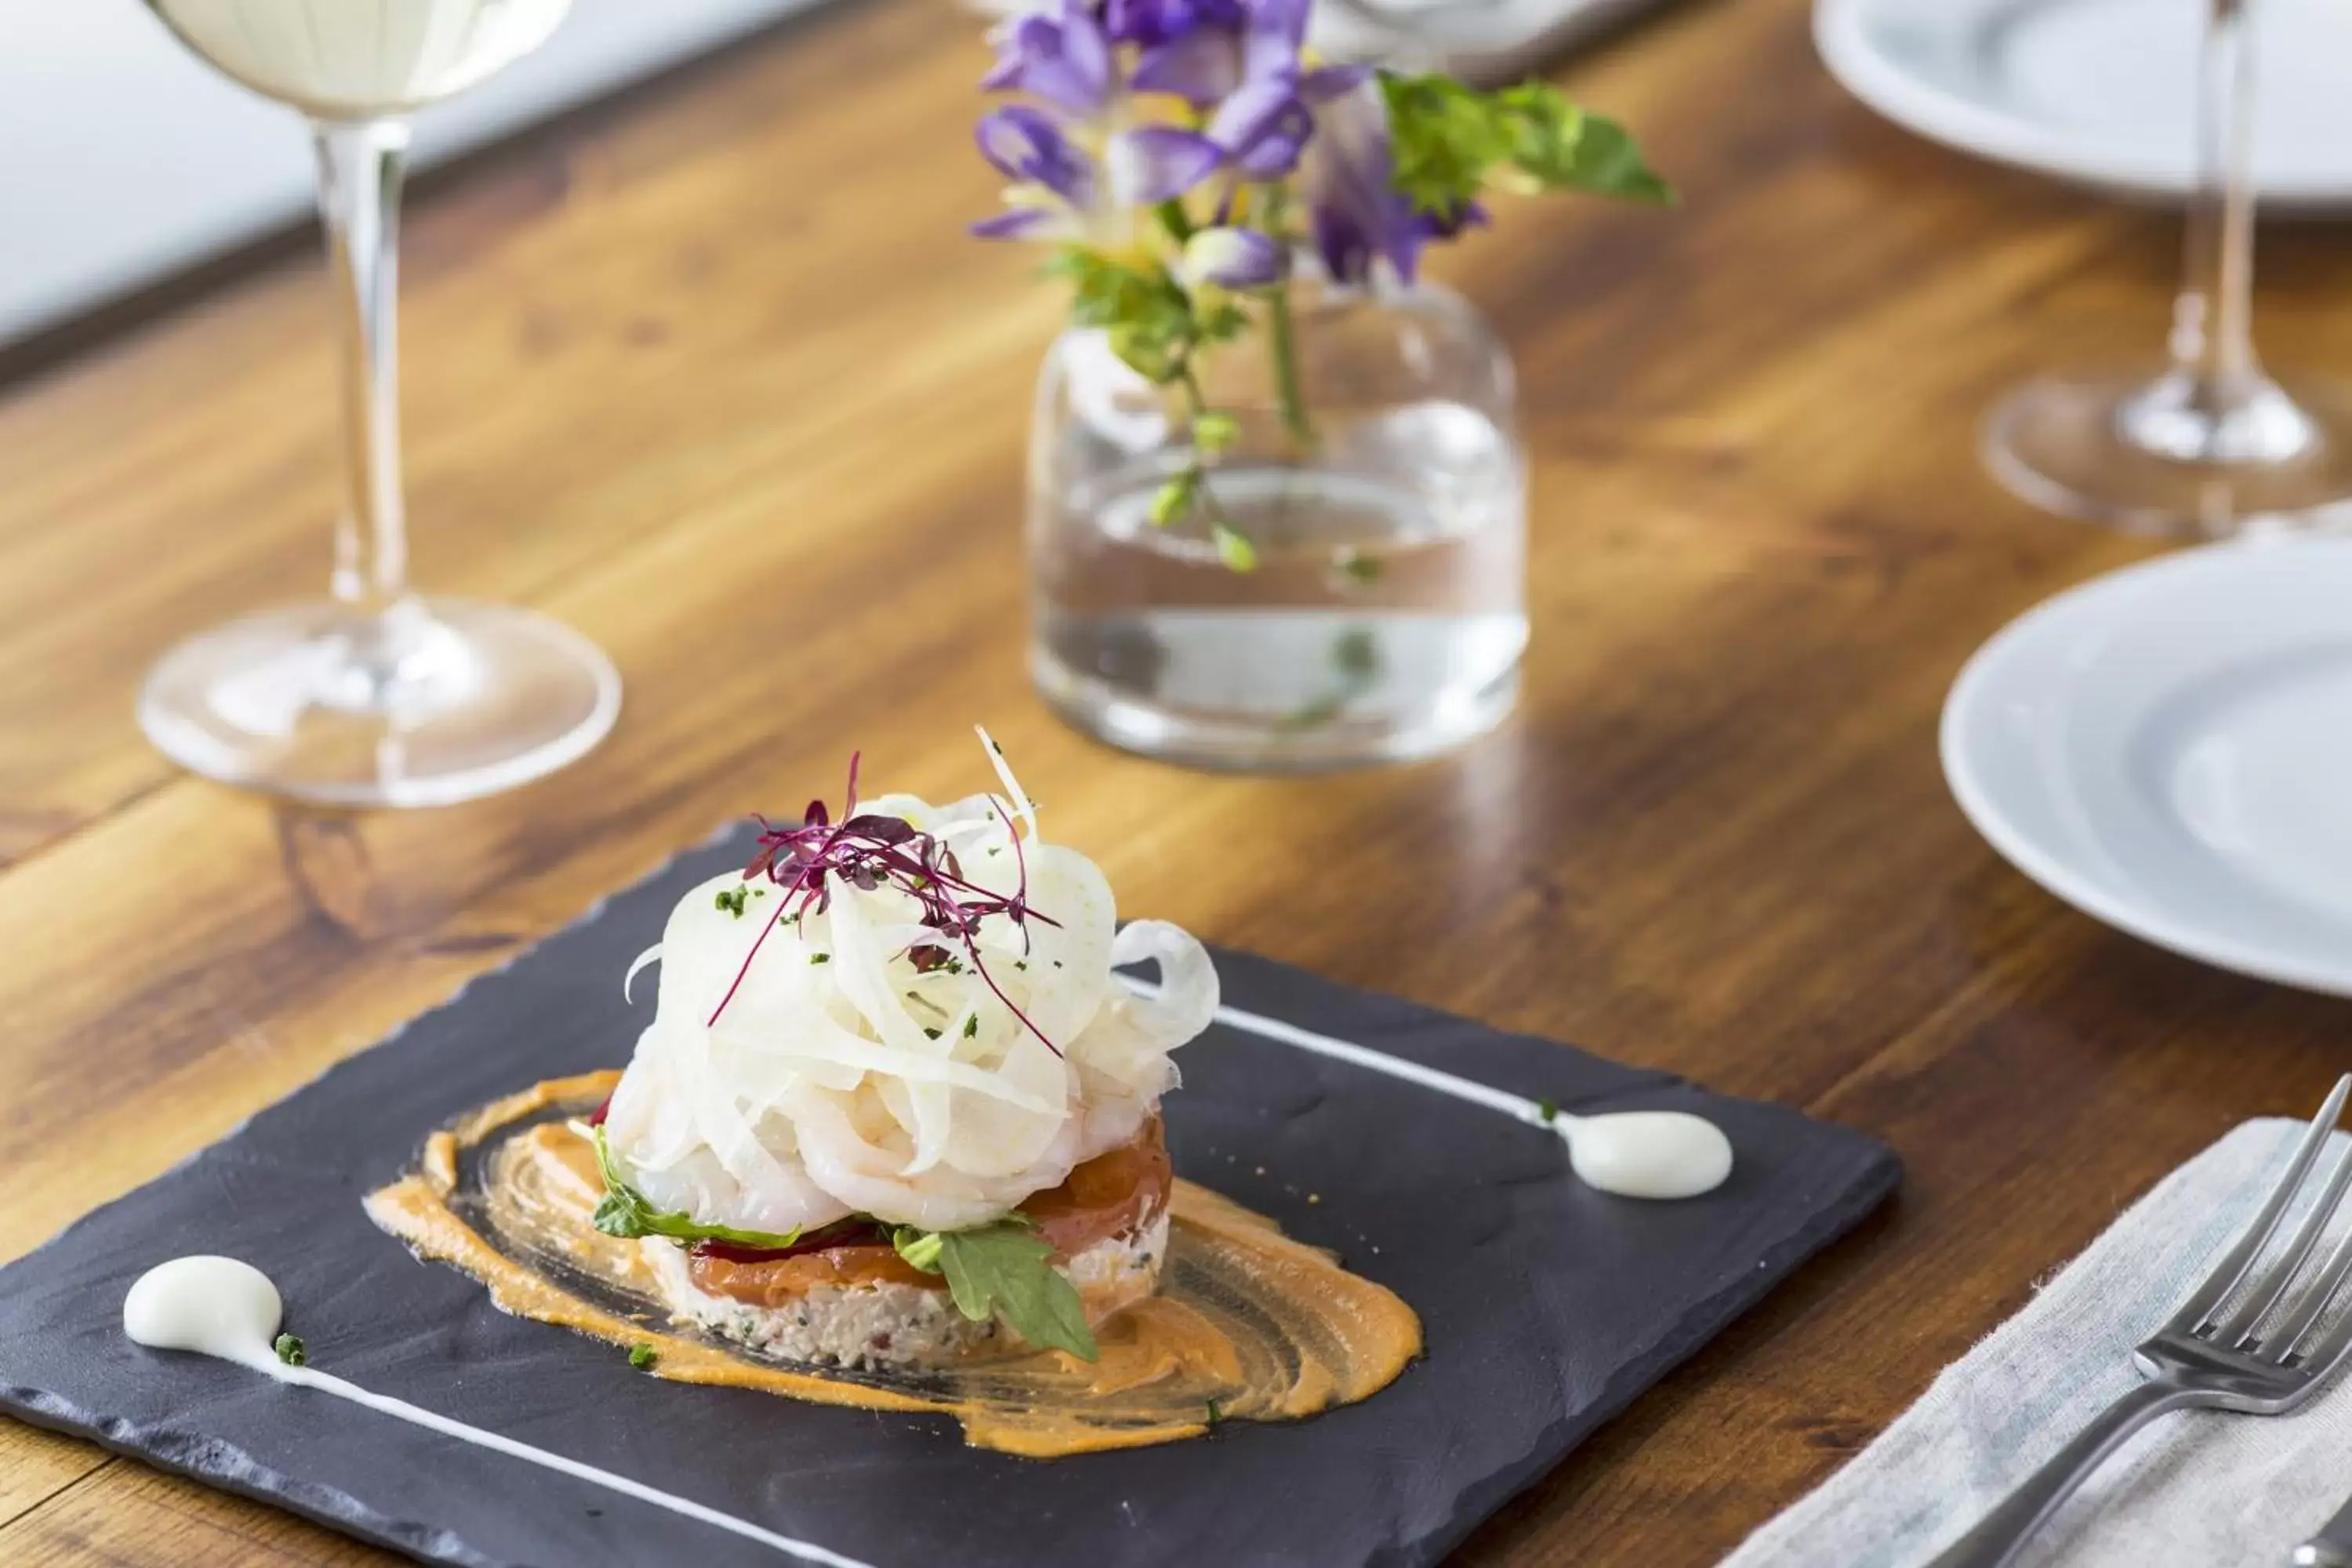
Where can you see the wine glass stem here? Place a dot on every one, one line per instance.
(2212, 341)
(360, 164)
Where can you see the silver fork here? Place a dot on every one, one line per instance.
(2206, 1357)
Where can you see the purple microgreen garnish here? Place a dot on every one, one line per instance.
(871, 851)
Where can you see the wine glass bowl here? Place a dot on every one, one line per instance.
(376, 695)
(361, 59)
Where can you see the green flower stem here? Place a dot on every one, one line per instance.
(1283, 343)
(1233, 547)
(1282, 339)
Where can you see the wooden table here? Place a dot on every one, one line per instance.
(711, 375)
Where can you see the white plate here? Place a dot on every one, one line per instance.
(2169, 748)
(2101, 92)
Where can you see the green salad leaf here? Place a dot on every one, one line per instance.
(1005, 1270)
(625, 1212)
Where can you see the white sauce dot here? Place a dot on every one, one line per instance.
(1648, 1153)
(213, 1306)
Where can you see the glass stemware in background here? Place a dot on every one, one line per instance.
(2210, 446)
(377, 696)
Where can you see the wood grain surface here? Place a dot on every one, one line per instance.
(711, 375)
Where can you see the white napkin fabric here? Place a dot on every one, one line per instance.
(2199, 1488)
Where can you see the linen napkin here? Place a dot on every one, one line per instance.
(2198, 1488)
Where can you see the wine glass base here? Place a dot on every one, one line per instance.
(2138, 453)
(433, 702)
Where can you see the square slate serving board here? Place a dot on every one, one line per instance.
(1548, 1307)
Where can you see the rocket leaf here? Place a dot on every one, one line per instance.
(1005, 1270)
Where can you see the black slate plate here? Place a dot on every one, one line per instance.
(1548, 1307)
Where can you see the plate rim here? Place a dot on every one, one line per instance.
(2085, 893)
(1842, 38)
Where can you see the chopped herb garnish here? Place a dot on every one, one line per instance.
(929, 1033)
(731, 900)
(921, 1249)
(1216, 1413)
(970, 1026)
(1548, 1109)
(1021, 963)
(1005, 1270)
(820, 958)
(289, 1350)
(643, 1357)
(625, 1212)
(870, 849)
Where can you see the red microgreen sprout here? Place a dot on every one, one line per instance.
(871, 851)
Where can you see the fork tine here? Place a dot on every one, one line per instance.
(2290, 1333)
(2272, 1287)
(2232, 1267)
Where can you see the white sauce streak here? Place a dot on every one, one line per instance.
(1632, 1153)
(220, 1307)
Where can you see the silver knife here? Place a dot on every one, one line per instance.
(2332, 1547)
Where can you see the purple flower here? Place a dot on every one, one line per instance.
(1059, 191)
(1345, 177)
(1028, 148)
(1062, 56)
(1222, 47)
(1232, 258)
(1263, 128)
(1154, 22)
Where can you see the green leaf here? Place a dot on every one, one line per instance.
(1156, 356)
(1222, 325)
(1216, 432)
(1233, 547)
(1151, 321)
(1005, 1270)
(921, 1249)
(1607, 163)
(1445, 138)
(1173, 498)
(625, 1212)
(1451, 141)
(1174, 219)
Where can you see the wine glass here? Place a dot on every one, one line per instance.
(2210, 444)
(376, 695)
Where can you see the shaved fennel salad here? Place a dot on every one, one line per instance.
(903, 1018)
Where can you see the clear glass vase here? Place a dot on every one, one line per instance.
(1386, 613)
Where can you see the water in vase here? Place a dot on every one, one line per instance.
(1384, 619)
